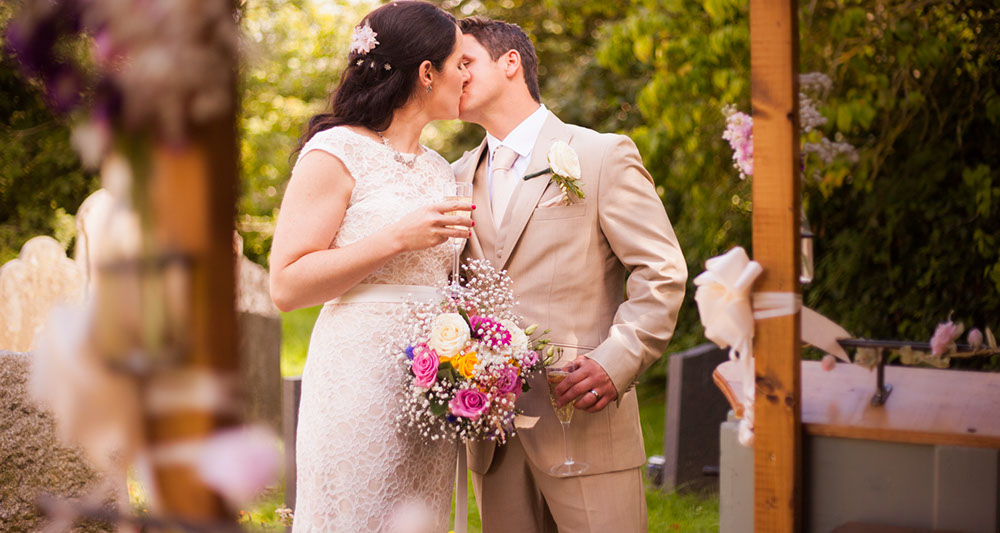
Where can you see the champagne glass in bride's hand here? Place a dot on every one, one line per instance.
(461, 192)
(554, 375)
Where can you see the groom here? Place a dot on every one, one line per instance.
(569, 264)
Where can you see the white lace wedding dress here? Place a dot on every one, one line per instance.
(356, 470)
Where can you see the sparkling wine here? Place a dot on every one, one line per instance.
(463, 199)
(564, 413)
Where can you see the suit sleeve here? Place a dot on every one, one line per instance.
(636, 226)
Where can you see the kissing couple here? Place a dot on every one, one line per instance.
(363, 224)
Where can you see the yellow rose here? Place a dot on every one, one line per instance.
(466, 364)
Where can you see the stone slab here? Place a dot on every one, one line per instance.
(695, 408)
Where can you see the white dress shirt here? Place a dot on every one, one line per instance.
(522, 140)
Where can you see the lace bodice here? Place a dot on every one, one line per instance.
(384, 191)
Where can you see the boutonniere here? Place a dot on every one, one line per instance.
(564, 165)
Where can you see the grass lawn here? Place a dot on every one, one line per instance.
(667, 511)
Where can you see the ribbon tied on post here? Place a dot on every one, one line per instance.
(723, 298)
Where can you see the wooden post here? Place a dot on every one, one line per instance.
(774, 59)
(193, 198)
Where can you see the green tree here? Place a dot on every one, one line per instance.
(41, 178)
(295, 53)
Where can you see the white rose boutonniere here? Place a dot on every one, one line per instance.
(564, 165)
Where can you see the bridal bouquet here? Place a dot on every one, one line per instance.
(466, 360)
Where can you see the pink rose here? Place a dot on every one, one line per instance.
(828, 363)
(469, 403)
(507, 380)
(530, 359)
(425, 366)
(944, 335)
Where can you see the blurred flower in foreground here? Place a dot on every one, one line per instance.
(240, 462)
(94, 406)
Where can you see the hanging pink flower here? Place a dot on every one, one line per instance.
(945, 334)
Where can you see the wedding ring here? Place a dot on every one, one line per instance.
(596, 395)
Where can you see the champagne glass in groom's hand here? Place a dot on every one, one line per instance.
(554, 375)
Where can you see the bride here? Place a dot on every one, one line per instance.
(359, 230)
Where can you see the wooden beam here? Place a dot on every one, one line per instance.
(193, 199)
(774, 46)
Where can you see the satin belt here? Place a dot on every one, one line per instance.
(385, 293)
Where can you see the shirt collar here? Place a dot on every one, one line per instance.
(522, 138)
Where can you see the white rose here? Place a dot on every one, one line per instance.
(518, 340)
(563, 160)
(449, 333)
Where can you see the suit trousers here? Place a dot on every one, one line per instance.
(516, 496)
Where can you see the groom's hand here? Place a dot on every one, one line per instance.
(586, 376)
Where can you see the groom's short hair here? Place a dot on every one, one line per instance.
(499, 37)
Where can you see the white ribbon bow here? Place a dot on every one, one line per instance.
(723, 299)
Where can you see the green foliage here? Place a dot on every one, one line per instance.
(295, 53)
(911, 234)
(41, 179)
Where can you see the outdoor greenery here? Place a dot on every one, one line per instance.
(908, 234)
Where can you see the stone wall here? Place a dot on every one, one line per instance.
(32, 460)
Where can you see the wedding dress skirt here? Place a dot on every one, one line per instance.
(357, 470)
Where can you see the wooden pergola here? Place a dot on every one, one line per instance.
(774, 66)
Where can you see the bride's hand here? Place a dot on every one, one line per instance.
(429, 226)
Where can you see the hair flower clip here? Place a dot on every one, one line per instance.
(363, 39)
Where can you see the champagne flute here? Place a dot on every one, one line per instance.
(461, 192)
(554, 375)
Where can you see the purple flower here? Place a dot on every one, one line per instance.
(490, 332)
(944, 335)
(409, 352)
(425, 367)
(531, 359)
(469, 403)
(507, 381)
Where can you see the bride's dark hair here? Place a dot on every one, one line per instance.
(375, 84)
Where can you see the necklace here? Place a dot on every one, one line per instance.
(409, 161)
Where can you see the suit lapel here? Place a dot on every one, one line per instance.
(527, 193)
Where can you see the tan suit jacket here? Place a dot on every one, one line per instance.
(569, 264)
